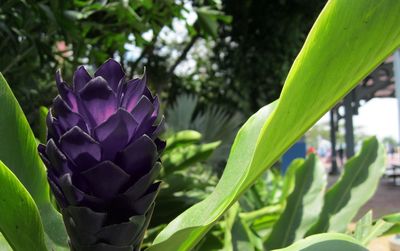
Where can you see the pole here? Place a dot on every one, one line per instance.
(333, 121)
(348, 121)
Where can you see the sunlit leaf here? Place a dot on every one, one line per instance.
(354, 188)
(18, 150)
(20, 221)
(326, 242)
(303, 205)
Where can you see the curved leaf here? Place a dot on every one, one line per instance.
(356, 186)
(182, 157)
(326, 242)
(42, 130)
(366, 230)
(348, 40)
(186, 230)
(182, 138)
(20, 221)
(395, 220)
(303, 205)
(18, 151)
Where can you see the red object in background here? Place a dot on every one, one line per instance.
(311, 150)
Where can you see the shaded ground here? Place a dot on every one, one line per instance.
(385, 201)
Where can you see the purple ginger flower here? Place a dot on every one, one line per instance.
(102, 157)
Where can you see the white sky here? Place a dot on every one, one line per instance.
(378, 116)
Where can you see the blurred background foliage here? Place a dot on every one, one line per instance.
(187, 46)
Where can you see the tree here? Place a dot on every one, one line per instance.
(255, 51)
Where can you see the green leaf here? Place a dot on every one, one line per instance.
(182, 157)
(42, 132)
(395, 219)
(303, 205)
(4, 246)
(366, 231)
(290, 179)
(20, 221)
(186, 230)
(18, 150)
(348, 40)
(238, 235)
(182, 138)
(355, 187)
(326, 242)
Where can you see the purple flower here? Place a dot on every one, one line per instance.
(102, 157)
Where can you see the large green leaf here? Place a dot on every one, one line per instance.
(348, 40)
(356, 186)
(303, 205)
(18, 151)
(326, 242)
(19, 217)
(186, 230)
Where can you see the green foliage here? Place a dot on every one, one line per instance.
(356, 186)
(180, 158)
(303, 205)
(395, 220)
(185, 180)
(42, 131)
(18, 151)
(214, 124)
(20, 221)
(37, 37)
(366, 231)
(357, 29)
(186, 230)
(326, 242)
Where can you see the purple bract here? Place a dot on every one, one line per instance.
(102, 157)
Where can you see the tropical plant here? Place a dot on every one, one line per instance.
(348, 40)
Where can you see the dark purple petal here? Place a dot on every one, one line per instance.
(140, 187)
(138, 158)
(124, 233)
(143, 204)
(159, 128)
(66, 93)
(142, 110)
(156, 107)
(81, 77)
(76, 197)
(105, 179)
(98, 100)
(85, 219)
(65, 116)
(57, 159)
(115, 133)
(82, 149)
(101, 246)
(59, 195)
(133, 93)
(112, 72)
(53, 127)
